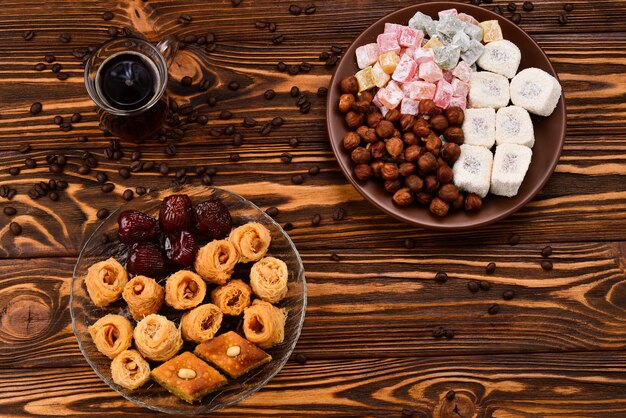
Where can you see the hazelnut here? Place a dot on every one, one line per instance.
(441, 162)
(397, 133)
(438, 123)
(351, 140)
(361, 107)
(454, 134)
(459, 202)
(373, 119)
(406, 169)
(421, 128)
(427, 162)
(431, 184)
(390, 171)
(361, 131)
(409, 138)
(349, 85)
(427, 107)
(394, 146)
(406, 122)
(423, 198)
(403, 197)
(393, 115)
(345, 102)
(439, 207)
(369, 135)
(385, 129)
(414, 183)
(366, 96)
(363, 172)
(354, 120)
(445, 175)
(449, 192)
(412, 153)
(378, 150)
(392, 186)
(473, 202)
(377, 167)
(451, 152)
(361, 155)
(433, 144)
(455, 116)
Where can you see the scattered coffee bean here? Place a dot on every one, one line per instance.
(294, 92)
(16, 229)
(36, 108)
(236, 3)
(82, 138)
(62, 185)
(449, 334)
(528, 6)
(302, 100)
(331, 61)
(112, 31)
(335, 257)
(409, 243)
(140, 190)
(49, 58)
(297, 179)
(310, 9)
(101, 177)
(322, 92)
(293, 142)
(473, 286)
(546, 265)
(248, 122)
(190, 39)
(65, 37)
(281, 66)
(106, 16)
(56, 68)
(107, 187)
(300, 358)
(237, 139)
(277, 122)
(441, 277)
(14, 171)
(339, 214)
(323, 56)
(164, 169)
(493, 309)
(336, 49)
(102, 213)
(511, 7)
(207, 180)
(438, 332)
(286, 157)
(278, 39)
(54, 196)
(216, 132)
(266, 129)
(135, 156)
(202, 40)
(185, 19)
(484, 285)
(202, 120)
(124, 172)
(28, 35)
(563, 19)
(261, 24)
(135, 166)
(211, 171)
(225, 115)
(272, 211)
(499, 10)
(56, 168)
(514, 239)
(234, 157)
(170, 150)
(314, 171)
(546, 252)
(76, 117)
(24, 148)
(305, 67)
(516, 18)
(271, 27)
(212, 101)
(233, 85)
(58, 120)
(316, 220)
(288, 226)
(30, 163)
(568, 7)
(450, 395)
(269, 94)
(491, 268)
(186, 81)
(84, 170)
(295, 10)
(9, 211)
(40, 66)
(293, 69)
(508, 294)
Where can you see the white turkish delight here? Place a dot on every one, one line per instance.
(488, 90)
(536, 91)
(514, 126)
(447, 57)
(421, 22)
(449, 26)
(510, 165)
(475, 32)
(479, 127)
(472, 171)
(461, 40)
(501, 57)
(471, 54)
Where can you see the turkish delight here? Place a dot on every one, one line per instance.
(501, 57)
(471, 54)
(491, 31)
(488, 90)
(422, 55)
(459, 88)
(387, 42)
(389, 61)
(443, 94)
(391, 95)
(472, 171)
(429, 71)
(409, 106)
(421, 90)
(514, 126)
(379, 76)
(479, 127)
(365, 78)
(458, 101)
(510, 164)
(462, 71)
(536, 91)
(447, 57)
(366, 55)
(405, 70)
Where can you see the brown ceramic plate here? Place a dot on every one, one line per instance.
(549, 132)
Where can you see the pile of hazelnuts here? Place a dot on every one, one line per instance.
(406, 151)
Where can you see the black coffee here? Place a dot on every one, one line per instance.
(127, 81)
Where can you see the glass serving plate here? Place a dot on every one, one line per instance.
(103, 244)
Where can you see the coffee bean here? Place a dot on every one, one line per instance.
(499, 10)
(36, 108)
(140, 190)
(170, 150)
(24, 148)
(11, 194)
(528, 6)
(233, 85)
(14, 171)
(102, 213)
(491, 268)
(293, 142)
(331, 61)
(300, 358)
(563, 19)
(106, 16)
(79, 53)
(261, 24)
(305, 67)
(310, 9)
(449, 334)
(211, 171)
(215, 132)
(147, 165)
(28, 35)
(294, 92)
(54, 196)
(211, 47)
(546, 252)
(84, 170)
(76, 117)
(107, 187)
(190, 39)
(201, 40)
(62, 185)
(514, 239)
(493, 309)
(66, 126)
(248, 122)
(568, 7)
(237, 139)
(32, 193)
(185, 19)
(207, 180)
(235, 3)
(180, 173)
(336, 49)
(49, 58)
(186, 81)
(322, 92)
(288, 226)
(293, 69)
(281, 66)
(234, 157)
(82, 138)
(511, 7)
(278, 39)
(516, 18)
(124, 172)
(58, 120)
(40, 66)
(135, 156)
(473, 286)
(407, 412)
(546, 265)
(101, 177)
(335, 257)
(450, 395)
(277, 121)
(65, 37)
(302, 100)
(305, 108)
(484, 285)
(286, 157)
(135, 166)
(324, 56)
(30, 163)
(438, 332)
(9, 211)
(112, 31)
(16, 229)
(316, 220)
(272, 211)
(269, 94)
(295, 10)
(204, 84)
(409, 243)
(508, 294)
(297, 179)
(225, 115)
(202, 120)
(339, 214)
(266, 129)
(441, 277)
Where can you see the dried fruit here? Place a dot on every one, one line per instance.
(136, 226)
(181, 248)
(146, 258)
(213, 218)
(176, 213)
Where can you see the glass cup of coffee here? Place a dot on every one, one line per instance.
(127, 79)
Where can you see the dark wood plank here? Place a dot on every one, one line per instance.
(382, 304)
(539, 385)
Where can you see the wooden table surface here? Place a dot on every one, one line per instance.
(558, 349)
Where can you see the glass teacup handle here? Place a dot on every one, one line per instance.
(168, 48)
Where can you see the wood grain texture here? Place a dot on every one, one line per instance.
(556, 350)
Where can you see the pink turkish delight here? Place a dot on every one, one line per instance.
(459, 101)
(447, 75)
(366, 55)
(391, 96)
(405, 70)
(448, 12)
(467, 18)
(421, 90)
(409, 106)
(459, 88)
(443, 94)
(388, 42)
(422, 55)
(393, 28)
(430, 72)
(411, 38)
(462, 71)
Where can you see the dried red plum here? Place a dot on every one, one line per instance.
(176, 213)
(181, 248)
(146, 258)
(135, 226)
(213, 218)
